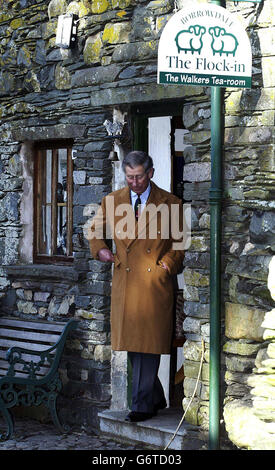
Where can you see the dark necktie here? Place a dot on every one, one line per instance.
(137, 207)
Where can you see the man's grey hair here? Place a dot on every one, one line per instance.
(136, 158)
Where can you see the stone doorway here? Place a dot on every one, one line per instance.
(163, 137)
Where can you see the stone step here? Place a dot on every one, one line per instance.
(156, 432)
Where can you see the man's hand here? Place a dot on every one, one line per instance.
(106, 255)
(163, 265)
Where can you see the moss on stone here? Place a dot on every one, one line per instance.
(257, 194)
(160, 6)
(242, 321)
(51, 43)
(241, 348)
(78, 8)
(92, 49)
(161, 22)
(62, 78)
(102, 353)
(49, 29)
(16, 23)
(191, 415)
(32, 81)
(5, 17)
(198, 243)
(195, 278)
(115, 33)
(122, 13)
(56, 8)
(86, 314)
(121, 3)
(24, 57)
(99, 6)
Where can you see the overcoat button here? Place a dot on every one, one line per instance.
(127, 269)
(148, 250)
(127, 250)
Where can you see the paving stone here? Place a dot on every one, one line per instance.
(33, 435)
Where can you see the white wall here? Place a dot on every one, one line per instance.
(159, 145)
(159, 129)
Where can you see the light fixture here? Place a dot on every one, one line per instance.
(66, 31)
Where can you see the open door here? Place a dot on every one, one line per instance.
(162, 136)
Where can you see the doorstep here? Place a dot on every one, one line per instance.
(156, 432)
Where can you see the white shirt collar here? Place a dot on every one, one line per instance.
(144, 196)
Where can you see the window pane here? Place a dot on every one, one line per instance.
(53, 202)
(62, 202)
(47, 230)
(43, 203)
(46, 207)
(48, 177)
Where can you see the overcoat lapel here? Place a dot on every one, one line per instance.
(124, 198)
(154, 201)
(136, 229)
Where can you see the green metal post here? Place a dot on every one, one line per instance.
(215, 198)
(215, 267)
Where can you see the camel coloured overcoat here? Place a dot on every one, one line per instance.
(142, 295)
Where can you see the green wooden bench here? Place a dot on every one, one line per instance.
(30, 354)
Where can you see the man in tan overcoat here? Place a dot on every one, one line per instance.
(146, 225)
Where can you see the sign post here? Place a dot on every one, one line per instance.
(206, 46)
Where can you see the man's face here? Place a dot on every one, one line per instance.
(137, 179)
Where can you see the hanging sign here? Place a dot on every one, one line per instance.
(205, 45)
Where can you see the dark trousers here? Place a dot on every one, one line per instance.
(147, 390)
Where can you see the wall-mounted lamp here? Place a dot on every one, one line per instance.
(66, 31)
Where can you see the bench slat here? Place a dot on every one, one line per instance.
(29, 335)
(23, 375)
(23, 344)
(27, 357)
(33, 325)
(5, 364)
(19, 369)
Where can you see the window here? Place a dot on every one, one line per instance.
(53, 198)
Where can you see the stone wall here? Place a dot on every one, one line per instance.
(52, 93)
(196, 177)
(48, 93)
(250, 419)
(249, 217)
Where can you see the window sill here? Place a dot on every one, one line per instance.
(42, 271)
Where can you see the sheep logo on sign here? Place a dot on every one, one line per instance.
(223, 42)
(190, 40)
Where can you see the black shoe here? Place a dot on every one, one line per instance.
(135, 416)
(160, 406)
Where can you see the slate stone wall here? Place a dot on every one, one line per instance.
(52, 93)
(47, 93)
